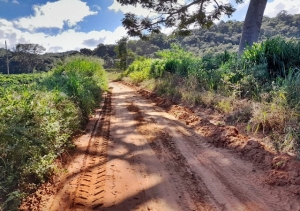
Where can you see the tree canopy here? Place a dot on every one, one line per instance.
(174, 14)
(27, 55)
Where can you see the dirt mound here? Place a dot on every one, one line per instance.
(162, 102)
(34, 201)
(184, 114)
(285, 171)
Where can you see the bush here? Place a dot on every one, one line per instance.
(157, 68)
(139, 70)
(81, 78)
(177, 60)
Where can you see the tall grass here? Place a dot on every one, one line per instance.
(38, 115)
(266, 76)
(278, 56)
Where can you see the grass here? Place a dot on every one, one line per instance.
(114, 74)
(39, 113)
(260, 88)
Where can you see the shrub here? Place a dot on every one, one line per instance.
(81, 78)
(157, 68)
(168, 86)
(177, 60)
(139, 70)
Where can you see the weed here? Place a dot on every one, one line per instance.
(225, 105)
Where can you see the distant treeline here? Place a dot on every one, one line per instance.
(220, 37)
(38, 63)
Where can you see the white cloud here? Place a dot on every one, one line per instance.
(138, 10)
(5, 1)
(15, 2)
(64, 41)
(55, 15)
(274, 7)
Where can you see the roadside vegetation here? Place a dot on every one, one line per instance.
(259, 89)
(39, 113)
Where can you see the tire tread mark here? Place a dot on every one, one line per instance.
(90, 186)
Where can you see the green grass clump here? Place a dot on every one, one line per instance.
(279, 55)
(139, 70)
(114, 74)
(39, 113)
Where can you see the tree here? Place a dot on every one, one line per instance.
(125, 56)
(252, 23)
(121, 51)
(101, 50)
(86, 51)
(170, 13)
(28, 55)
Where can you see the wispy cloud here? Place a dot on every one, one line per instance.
(138, 10)
(274, 7)
(97, 7)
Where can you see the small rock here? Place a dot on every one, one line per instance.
(253, 143)
(294, 174)
(231, 131)
(294, 189)
(297, 181)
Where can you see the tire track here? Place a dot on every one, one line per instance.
(89, 193)
(81, 188)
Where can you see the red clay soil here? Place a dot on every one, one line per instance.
(147, 154)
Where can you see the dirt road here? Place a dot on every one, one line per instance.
(135, 156)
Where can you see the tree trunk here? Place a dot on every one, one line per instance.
(252, 24)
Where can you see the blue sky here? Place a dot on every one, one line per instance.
(61, 25)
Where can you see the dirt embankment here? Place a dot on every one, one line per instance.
(136, 156)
